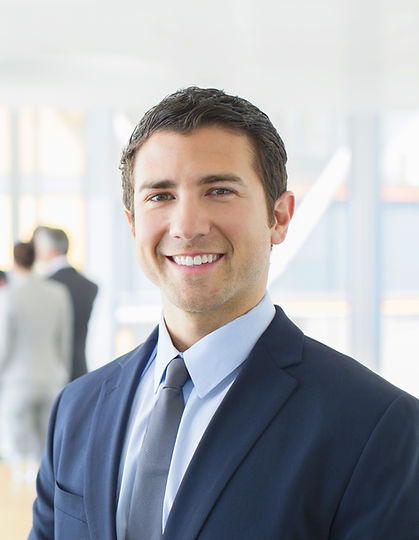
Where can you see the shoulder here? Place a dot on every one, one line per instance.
(334, 370)
(81, 394)
(77, 402)
(51, 289)
(349, 398)
(71, 276)
(100, 375)
(328, 379)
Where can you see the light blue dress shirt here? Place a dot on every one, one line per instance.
(213, 364)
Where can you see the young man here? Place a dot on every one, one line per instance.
(276, 435)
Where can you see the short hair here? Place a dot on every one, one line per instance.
(191, 108)
(24, 254)
(57, 238)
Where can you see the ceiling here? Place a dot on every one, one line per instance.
(328, 54)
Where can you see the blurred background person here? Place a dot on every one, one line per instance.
(3, 291)
(51, 248)
(3, 278)
(35, 359)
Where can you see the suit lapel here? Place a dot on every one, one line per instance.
(107, 438)
(256, 397)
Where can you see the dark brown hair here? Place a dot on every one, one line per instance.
(24, 254)
(192, 108)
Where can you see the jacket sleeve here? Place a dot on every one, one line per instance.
(381, 500)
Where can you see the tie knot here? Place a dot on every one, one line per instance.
(177, 374)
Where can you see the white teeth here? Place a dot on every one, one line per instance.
(197, 260)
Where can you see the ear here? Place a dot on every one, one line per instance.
(130, 219)
(283, 212)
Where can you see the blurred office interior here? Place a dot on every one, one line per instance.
(339, 80)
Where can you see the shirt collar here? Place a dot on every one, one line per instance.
(214, 357)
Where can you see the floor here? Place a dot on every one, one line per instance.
(16, 501)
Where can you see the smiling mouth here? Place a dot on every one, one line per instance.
(196, 260)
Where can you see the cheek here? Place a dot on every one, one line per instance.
(148, 232)
(249, 225)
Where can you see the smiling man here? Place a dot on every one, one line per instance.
(200, 220)
(228, 423)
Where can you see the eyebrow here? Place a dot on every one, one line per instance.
(205, 180)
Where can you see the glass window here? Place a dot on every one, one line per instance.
(5, 146)
(52, 144)
(399, 253)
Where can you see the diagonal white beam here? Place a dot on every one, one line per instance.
(310, 210)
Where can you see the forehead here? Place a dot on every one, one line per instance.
(213, 146)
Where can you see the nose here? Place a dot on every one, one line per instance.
(189, 220)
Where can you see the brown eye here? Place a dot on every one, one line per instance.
(159, 197)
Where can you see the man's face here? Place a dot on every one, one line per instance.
(201, 224)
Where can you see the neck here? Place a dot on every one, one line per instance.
(186, 328)
(21, 271)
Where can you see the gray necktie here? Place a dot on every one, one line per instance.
(145, 514)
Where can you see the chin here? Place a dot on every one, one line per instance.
(196, 303)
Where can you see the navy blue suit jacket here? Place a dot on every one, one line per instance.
(307, 444)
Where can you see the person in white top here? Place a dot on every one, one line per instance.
(35, 356)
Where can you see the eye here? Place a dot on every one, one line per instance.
(220, 191)
(160, 197)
